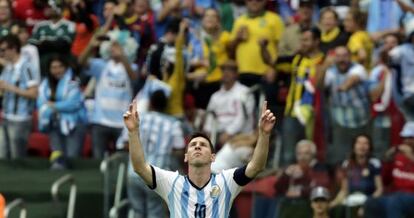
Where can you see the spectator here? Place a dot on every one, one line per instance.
(331, 33)
(398, 203)
(291, 38)
(360, 177)
(230, 11)
(380, 95)
(341, 7)
(359, 42)
(383, 18)
(403, 91)
(173, 73)
(62, 113)
(163, 50)
(30, 11)
(232, 106)
(344, 80)
(255, 37)
(171, 10)
(390, 41)
(112, 94)
(6, 20)
(320, 202)
(209, 52)
(27, 50)
(299, 120)
(407, 20)
(163, 145)
(141, 22)
(53, 36)
(18, 83)
(80, 12)
(299, 179)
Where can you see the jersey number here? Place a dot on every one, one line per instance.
(200, 211)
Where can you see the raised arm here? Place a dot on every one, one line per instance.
(141, 167)
(259, 159)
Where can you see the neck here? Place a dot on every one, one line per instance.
(15, 58)
(199, 176)
(361, 159)
(213, 32)
(322, 215)
(256, 13)
(328, 30)
(313, 53)
(306, 24)
(228, 86)
(5, 23)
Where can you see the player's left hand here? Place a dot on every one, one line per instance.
(267, 120)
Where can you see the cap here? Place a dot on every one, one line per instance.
(408, 130)
(319, 193)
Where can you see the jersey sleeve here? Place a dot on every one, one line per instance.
(162, 181)
(235, 179)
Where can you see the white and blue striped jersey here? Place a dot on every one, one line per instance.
(22, 75)
(113, 92)
(186, 200)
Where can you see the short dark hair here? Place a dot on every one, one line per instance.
(158, 101)
(12, 41)
(316, 33)
(173, 26)
(202, 135)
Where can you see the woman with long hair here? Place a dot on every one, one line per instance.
(62, 114)
(360, 177)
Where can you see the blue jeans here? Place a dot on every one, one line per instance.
(144, 201)
(13, 139)
(70, 145)
(102, 136)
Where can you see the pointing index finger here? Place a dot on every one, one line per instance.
(264, 107)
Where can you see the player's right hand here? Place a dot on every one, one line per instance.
(131, 118)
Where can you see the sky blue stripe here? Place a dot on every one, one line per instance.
(157, 148)
(215, 200)
(185, 193)
(227, 198)
(171, 205)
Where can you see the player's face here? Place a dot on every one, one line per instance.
(199, 152)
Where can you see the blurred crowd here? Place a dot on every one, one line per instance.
(339, 74)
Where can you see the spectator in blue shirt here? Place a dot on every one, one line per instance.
(113, 93)
(62, 113)
(18, 83)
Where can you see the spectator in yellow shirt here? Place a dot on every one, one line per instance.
(208, 51)
(359, 43)
(255, 38)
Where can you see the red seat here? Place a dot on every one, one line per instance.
(38, 145)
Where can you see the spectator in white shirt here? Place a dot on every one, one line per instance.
(232, 106)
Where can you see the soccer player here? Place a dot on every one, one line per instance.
(199, 194)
